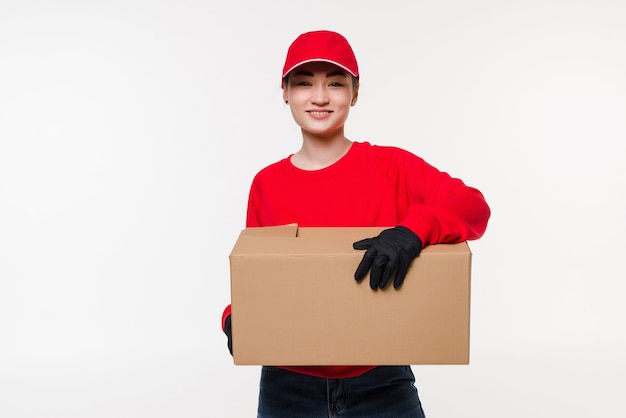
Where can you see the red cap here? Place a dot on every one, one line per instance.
(323, 46)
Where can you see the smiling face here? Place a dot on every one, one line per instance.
(320, 95)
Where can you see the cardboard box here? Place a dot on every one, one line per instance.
(295, 302)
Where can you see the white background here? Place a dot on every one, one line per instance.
(129, 134)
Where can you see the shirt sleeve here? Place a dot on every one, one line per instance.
(441, 208)
(254, 199)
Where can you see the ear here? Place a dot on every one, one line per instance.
(285, 95)
(355, 94)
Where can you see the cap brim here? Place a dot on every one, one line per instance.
(319, 60)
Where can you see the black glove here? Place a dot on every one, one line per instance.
(228, 330)
(394, 249)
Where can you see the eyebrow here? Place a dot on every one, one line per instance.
(328, 75)
(335, 73)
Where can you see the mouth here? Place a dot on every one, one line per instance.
(319, 113)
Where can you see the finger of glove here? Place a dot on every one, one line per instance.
(363, 244)
(378, 267)
(403, 268)
(405, 260)
(390, 267)
(365, 264)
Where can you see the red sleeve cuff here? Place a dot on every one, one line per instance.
(225, 315)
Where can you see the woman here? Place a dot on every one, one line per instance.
(332, 181)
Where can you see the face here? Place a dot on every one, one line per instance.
(320, 96)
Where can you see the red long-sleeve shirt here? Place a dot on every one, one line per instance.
(369, 186)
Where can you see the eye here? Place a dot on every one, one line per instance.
(336, 84)
(303, 83)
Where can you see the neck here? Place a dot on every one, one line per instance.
(318, 153)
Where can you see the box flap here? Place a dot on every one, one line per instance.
(289, 230)
(290, 240)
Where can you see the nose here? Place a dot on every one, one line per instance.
(320, 95)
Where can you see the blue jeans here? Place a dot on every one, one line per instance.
(386, 391)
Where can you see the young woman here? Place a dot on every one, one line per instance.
(333, 181)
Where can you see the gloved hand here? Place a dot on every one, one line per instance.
(228, 330)
(391, 251)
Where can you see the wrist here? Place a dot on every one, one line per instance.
(411, 235)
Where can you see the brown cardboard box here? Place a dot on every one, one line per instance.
(295, 302)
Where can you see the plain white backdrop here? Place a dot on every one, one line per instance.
(129, 134)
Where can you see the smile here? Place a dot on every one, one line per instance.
(319, 113)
